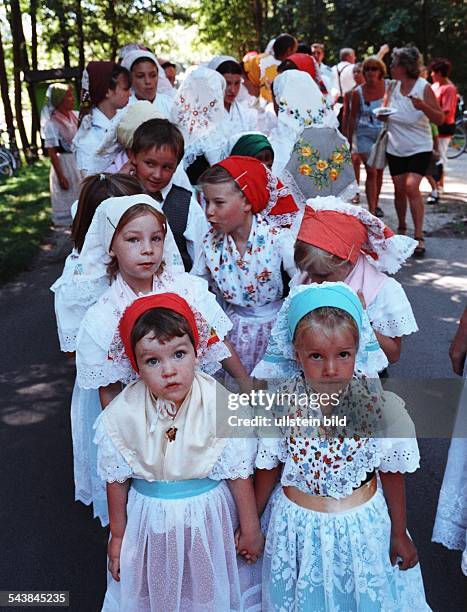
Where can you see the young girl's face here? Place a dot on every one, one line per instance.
(155, 167)
(226, 208)
(139, 248)
(167, 368)
(119, 96)
(144, 80)
(327, 360)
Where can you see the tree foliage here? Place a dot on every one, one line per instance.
(436, 27)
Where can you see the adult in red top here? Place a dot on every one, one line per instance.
(446, 94)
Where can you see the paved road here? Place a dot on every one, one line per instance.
(50, 542)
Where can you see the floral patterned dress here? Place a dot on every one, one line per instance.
(251, 285)
(338, 561)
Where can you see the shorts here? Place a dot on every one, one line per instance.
(418, 163)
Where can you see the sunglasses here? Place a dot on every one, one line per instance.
(371, 69)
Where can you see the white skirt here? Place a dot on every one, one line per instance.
(89, 487)
(179, 555)
(251, 331)
(325, 562)
(62, 199)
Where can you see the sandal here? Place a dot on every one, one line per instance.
(420, 249)
(356, 199)
(402, 230)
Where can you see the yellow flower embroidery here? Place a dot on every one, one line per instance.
(306, 151)
(304, 169)
(333, 174)
(338, 158)
(322, 164)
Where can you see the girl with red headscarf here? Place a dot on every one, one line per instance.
(247, 251)
(342, 242)
(178, 484)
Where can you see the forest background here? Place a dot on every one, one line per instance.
(50, 34)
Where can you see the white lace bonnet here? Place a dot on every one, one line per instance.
(198, 111)
(385, 250)
(95, 256)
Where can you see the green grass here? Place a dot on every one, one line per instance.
(25, 215)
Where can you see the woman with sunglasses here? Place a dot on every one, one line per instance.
(364, 127)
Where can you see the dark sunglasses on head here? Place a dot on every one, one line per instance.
(371, 69)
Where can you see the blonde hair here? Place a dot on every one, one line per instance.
(329, 321)
(375, 61)
(309, 257)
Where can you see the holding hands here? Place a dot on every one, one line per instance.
(249, 545)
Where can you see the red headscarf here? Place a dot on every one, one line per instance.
(305, 63)
(334, 232)
(255, 181)
(99, 80)
(171, 301)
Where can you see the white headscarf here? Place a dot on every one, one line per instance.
(198, 111)
(220, 59)
(301, 104)
(95, 256)
(163, 84)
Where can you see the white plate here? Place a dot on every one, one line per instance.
(384, 111)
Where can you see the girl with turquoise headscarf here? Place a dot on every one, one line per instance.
(335, 540)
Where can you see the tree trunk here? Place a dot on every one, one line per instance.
(18, 65)
(33, 12)
(79, 27)
(114, 30)
(258, 21)
(64, 34)
(9, 119)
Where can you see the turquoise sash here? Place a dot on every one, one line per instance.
(174, 489)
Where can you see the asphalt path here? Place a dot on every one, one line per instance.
(49, 542)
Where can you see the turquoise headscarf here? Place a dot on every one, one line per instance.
(250, 145)
(314, 297)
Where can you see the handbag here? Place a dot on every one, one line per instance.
(377, 154)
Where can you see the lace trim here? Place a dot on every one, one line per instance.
(402, 326)
(67, 340)
(237, 460)
(385, 253)
(95, 376)
(111, 466)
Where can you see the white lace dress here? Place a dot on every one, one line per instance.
(451, 517)
(71, 304)
(179, 554)
(327, 562)
(100, 360)
(251, 285)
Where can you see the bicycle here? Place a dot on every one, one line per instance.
(458, 143)
(8, 162)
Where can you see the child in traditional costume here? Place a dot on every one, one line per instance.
(331, 542)
(176, 488)
(72, 301)
(105, 91)
(342, 242)
(246, 252)
(131, 244)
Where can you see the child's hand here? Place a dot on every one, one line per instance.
(113, 551)
(402, 546)
(249, 545)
